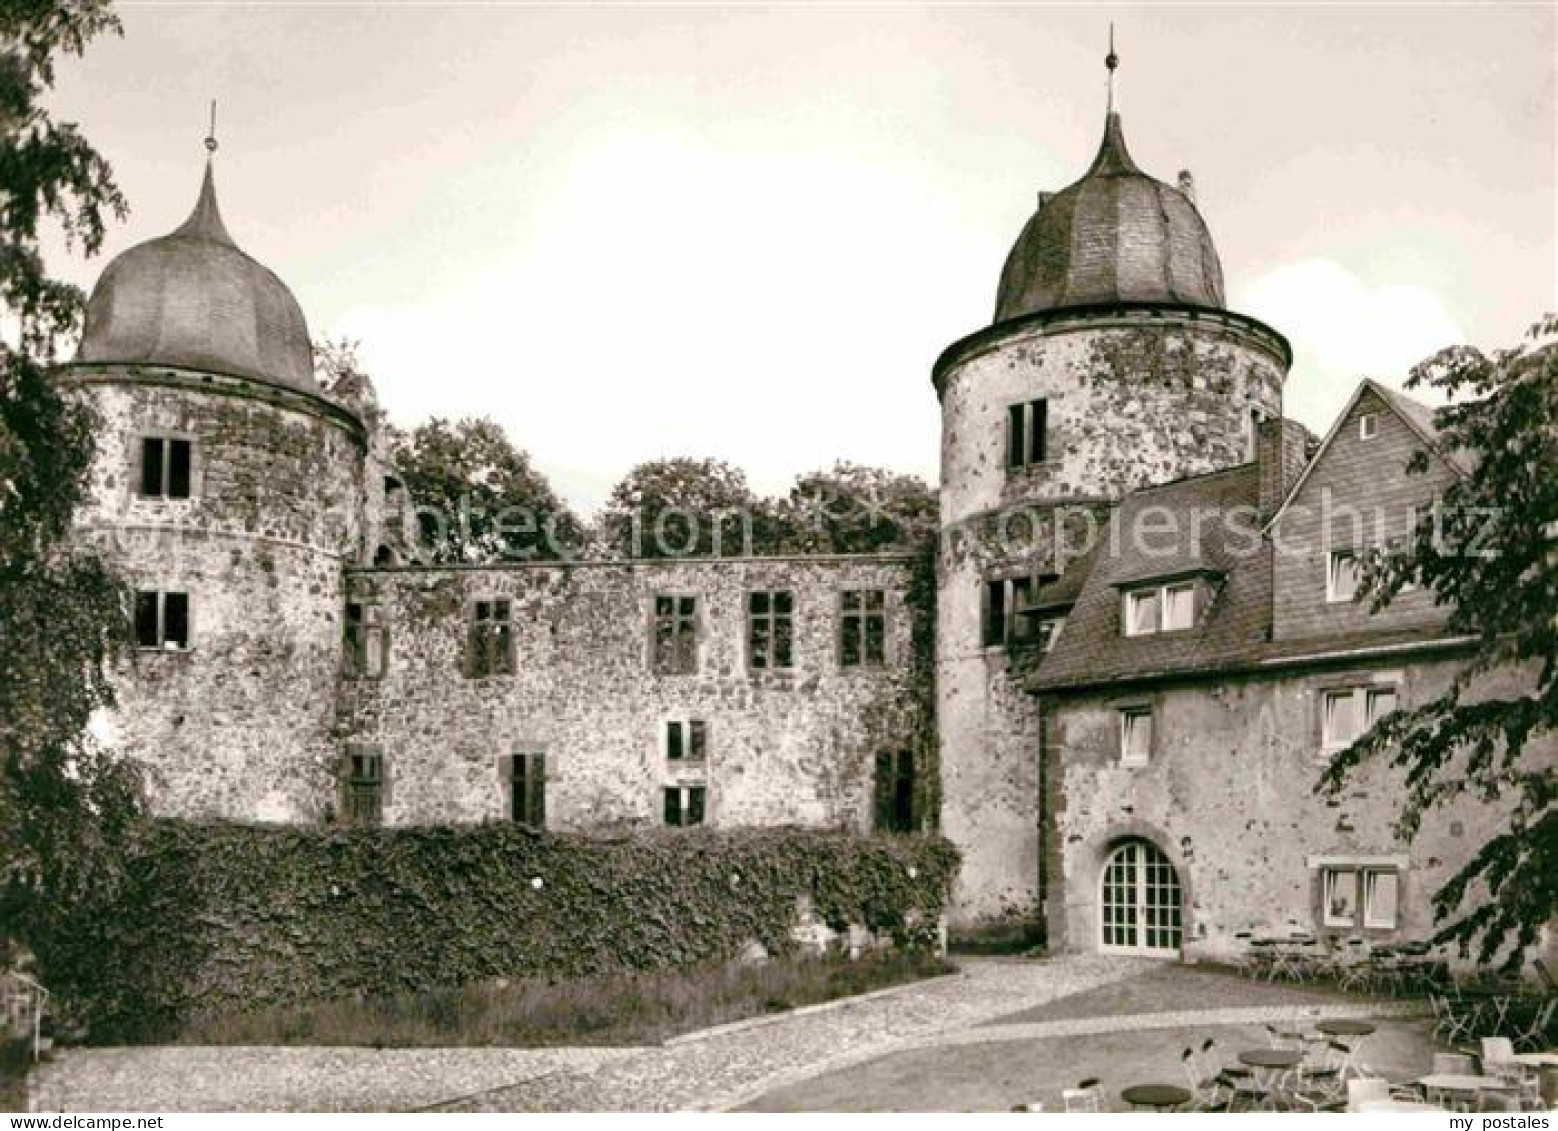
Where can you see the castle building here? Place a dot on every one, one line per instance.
(1128, 722)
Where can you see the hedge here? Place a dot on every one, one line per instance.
(216, 917)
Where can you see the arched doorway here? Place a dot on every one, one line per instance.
(1139, 902)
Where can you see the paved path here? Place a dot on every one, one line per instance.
(723, 1070)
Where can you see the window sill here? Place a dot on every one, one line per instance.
(145, 650)
(1135, 763)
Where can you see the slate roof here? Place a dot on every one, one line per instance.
(1234, 631)
(1115, 235)
(193, 299)
(1092, 648)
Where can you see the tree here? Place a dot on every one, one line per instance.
(858, 510)
(65, 805)
(678, 508)
(1490, 555)
(480, 499)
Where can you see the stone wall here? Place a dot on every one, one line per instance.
(1132, 400)
(1228, 797)
(238, 726)
(795, 747)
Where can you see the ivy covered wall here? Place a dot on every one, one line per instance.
(222, 917)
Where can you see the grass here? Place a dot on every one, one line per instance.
(626, 1008)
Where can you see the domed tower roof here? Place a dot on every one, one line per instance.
(1115, 236)
(192, 299)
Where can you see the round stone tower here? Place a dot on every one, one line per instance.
(1112, 364)
(226, 489)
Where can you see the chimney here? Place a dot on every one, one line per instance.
(1045, 198)
(1187, 185)
(1282, 451)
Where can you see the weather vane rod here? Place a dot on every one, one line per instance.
(1111, 61)
(211, 136)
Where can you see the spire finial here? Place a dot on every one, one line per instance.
(1112, 61)
(211, 134)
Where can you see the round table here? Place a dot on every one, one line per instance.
(1272, 1059)
(1461, 1083)
(1342, 1027)
(1159, 1097)
(1395, 1105)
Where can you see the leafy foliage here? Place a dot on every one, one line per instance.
(685, 508)
(857, 510)
(1490, 554)
(64, 806)
(225, 917)
(479, 499)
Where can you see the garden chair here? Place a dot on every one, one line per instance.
(1085, 1096)
(1208, 1092)
(1449, 1022)
(1498, 1059)
(1238, 1081)
(1285, 1038)
(1533, 1035)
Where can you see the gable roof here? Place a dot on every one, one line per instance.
(1213, 517)
(1414, 413)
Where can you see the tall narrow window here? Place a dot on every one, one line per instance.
(366, 643)
(362, 785)
(893, 786)
(684, 805)
(675, 644)
(1027, 428)
(524, 780)
(162, 620)
(165, 468)
(490, 648)
(1341, 576)
(1368, 426)
(862, 628)
(995, 613)
(770, 629)
(686, 740)
(1135, 736)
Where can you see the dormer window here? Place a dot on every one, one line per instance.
(1160, 608)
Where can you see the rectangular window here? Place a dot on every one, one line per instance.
(770, 629)
(366, 644)
(165, 468)
(684, 805)
(1354, 896)
(1013, 615)
(1368, 426)
(862, 628)
(1381, 893)
(1162, 608)
(1349, 713)
(162, 620)
(1135, 736)
(362, 785)
(525, 783)
(893, 788)
(686, 740)
(1027, 428)
(675, 644)
(1341, 576)
(1341, 897)
(490, 647)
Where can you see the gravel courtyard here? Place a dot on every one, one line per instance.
(987, 1037)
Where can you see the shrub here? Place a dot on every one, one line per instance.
(216, 918)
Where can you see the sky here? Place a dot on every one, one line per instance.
(746, 232)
